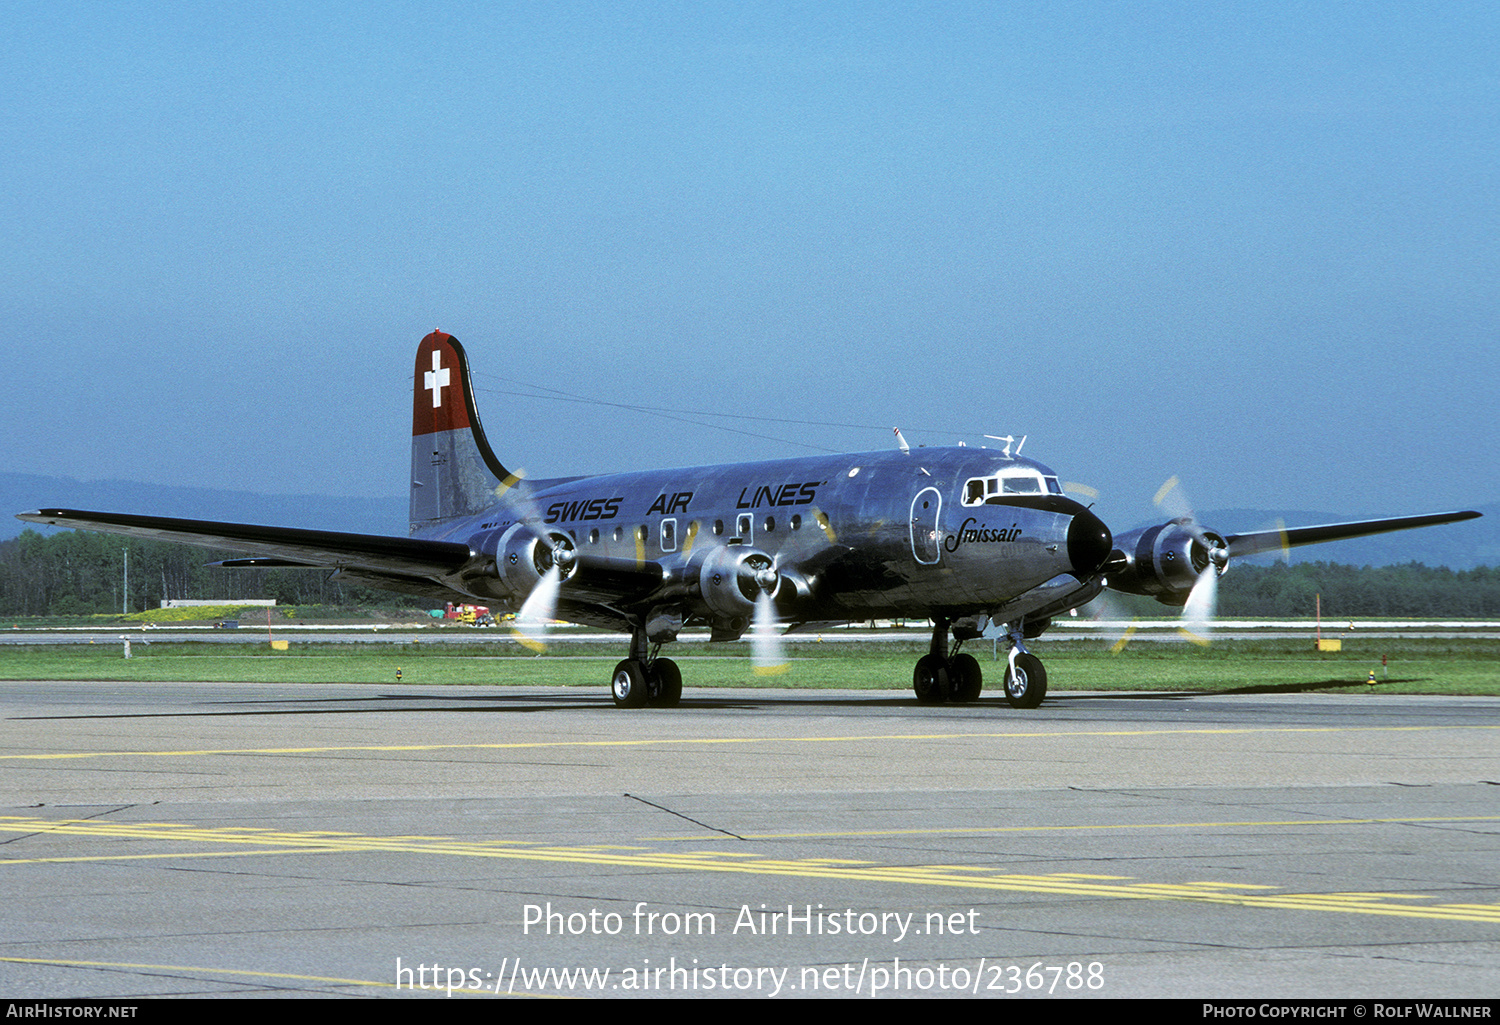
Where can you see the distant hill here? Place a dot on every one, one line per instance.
(1457, 546)
(21, 492)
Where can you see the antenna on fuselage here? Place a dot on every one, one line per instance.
(900, 441)
(1008, 442)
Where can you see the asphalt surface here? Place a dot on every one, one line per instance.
(223, 839)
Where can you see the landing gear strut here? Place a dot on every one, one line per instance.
(1025, 678)
(944, 675)
(644, 679)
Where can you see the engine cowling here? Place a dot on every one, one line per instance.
(512, 562)
(1162, 561)
(732, 578)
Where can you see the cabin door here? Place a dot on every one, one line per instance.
(925, 538)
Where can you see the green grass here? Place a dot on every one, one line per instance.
(1416, 666)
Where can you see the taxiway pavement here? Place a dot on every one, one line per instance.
(220, 839)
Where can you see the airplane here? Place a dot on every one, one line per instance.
(970, 538)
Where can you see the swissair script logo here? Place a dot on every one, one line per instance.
(436, 379)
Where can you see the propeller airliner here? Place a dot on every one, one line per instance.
(971, 538)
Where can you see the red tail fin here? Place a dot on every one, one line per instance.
(453, 471)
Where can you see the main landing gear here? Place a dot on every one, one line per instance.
(944, 675)
(644, 679)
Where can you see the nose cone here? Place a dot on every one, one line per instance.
(1089, 543)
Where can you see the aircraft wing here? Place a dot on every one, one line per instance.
(367, 554)
(1275, 540)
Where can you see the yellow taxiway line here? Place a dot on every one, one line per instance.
(968, 877)
(691, 741)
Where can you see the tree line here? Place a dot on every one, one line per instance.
(1408, 591)
(82, 572)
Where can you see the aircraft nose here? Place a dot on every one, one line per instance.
(1089, 543)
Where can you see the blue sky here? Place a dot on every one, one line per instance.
(1253, 245)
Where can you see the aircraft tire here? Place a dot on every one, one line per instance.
(666, 684)
(628, 686)
(930, 680)
(965, 678)
(1028, 685)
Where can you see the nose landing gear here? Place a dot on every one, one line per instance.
(943, 674)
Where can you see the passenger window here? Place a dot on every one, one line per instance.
(744, 526)
(669, 535)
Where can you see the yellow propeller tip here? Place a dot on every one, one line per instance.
(1119, 645)
(1202, 642)
(1166, 489)
(529, 642)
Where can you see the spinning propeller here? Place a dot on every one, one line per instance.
(1203, 600)
(531, 560)
(539, 611)
(767, 652)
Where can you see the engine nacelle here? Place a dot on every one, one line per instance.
(732, 578)
(513, 561)
(1163, 561)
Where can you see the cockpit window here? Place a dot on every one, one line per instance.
(979, 490)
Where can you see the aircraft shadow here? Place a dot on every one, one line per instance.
(1276, 688)
(389, 704)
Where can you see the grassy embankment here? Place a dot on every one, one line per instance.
(1421, 666)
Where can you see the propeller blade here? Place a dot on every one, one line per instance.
(1172, 500)
(767, 654)
(1284, 551)
(1108, 610)
(1202, 603)
(538, 611)
(1119, 645)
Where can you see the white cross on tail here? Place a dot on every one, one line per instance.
(436, 379)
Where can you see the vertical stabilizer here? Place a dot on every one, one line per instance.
(453, 471)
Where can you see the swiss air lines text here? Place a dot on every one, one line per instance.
(778, 495)
(584, 509)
